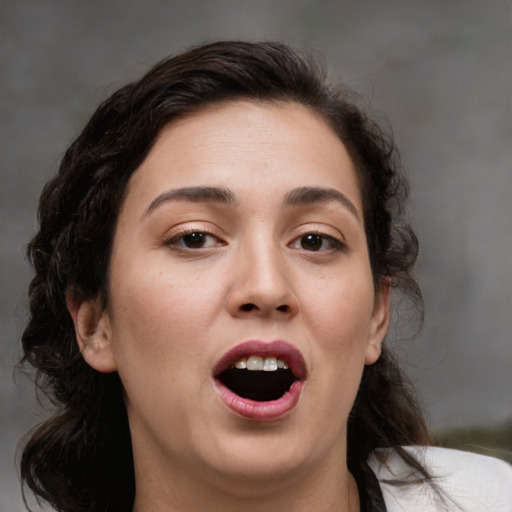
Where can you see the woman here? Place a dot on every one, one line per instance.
(212, 292)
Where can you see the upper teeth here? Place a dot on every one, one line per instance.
(257, 363)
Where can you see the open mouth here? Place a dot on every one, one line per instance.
(259, 379)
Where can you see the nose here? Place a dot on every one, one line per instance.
(262, 285)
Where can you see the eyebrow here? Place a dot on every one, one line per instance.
(311, 195)
(297, 197)
(194, 194)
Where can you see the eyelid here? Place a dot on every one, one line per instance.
(337, 241)
(321, 229)
(172, 238)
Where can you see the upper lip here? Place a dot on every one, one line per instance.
(278, 348)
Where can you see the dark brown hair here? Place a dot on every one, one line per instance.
(80, 459)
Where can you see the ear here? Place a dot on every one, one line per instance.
(379, 322)
(93, 332)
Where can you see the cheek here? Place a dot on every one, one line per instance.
(340, 318)
(160, 317)
(158, 335)
(342, 311)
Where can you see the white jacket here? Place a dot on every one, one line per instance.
(471, 482)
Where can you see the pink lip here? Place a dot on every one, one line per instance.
(262, 411)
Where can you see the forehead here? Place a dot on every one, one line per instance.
(247, 146)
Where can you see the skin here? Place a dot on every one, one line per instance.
(175, 310)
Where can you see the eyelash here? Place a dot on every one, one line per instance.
(336, 244)
(176, 241)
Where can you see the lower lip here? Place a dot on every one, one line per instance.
(261, 411)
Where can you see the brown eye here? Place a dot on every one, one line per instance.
(312, 242)
(195, 240)
(317, 242)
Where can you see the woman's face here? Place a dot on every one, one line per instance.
(241, 245)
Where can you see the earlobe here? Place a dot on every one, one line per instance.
(379, 322)
(93, 333)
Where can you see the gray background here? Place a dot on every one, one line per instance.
(440, 70)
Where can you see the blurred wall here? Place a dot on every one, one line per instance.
(441, 70)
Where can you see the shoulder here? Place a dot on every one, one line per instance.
(468, 482)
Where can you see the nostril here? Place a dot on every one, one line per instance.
(249, 306)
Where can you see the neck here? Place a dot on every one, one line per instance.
(326, 489)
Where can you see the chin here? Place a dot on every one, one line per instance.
(250, 465)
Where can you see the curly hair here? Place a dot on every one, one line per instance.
(80, 459)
